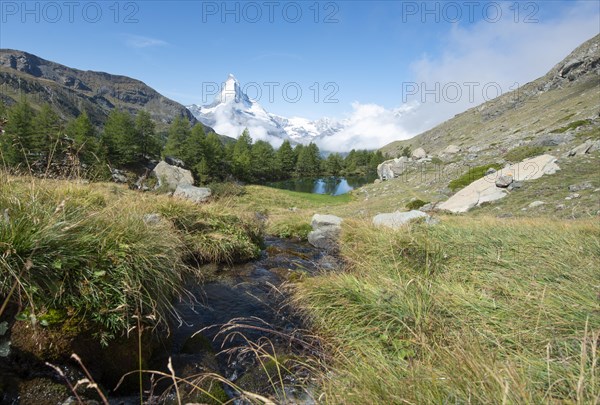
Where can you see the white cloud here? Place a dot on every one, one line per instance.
(496, 57)
(369, 126)
(137, 41)
(227, 125)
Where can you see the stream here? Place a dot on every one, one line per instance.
(249, 296)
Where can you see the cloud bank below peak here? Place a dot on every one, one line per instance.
(478, 63)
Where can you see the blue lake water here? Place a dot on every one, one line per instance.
(325, 185)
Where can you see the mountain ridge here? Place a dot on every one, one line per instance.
(533, 110)
(70, 90)
(232, 111)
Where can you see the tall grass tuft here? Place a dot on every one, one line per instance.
(468, 311)
(88, 251)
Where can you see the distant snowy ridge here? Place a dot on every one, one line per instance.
(232, 111)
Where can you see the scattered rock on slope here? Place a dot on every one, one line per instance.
(172, 176)
(419, 153)
(398, 219)
(192, 193)
(451, 150)
(586, 147)
(392, 168)
(326, 231)
(485, 189)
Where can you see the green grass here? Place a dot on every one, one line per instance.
(474, 173)
(572, 125)
(469, 311)
(416, 204)
(593, 133)
(86, 250)
(521, 153)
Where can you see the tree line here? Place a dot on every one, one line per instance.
(125, 141)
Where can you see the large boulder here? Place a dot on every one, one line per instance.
(397, 219)
(419, 153)
(326, 231)
(171, 176)
(485, 189)
(192, 193)
(504, 181)
(586, 147)
(392, 168)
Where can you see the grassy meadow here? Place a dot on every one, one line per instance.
(475, 309)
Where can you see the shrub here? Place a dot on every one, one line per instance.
(291, 229)
(474, 173)
(87, 249)
(524, 152)
(572, 125)
(226, 189)
(65, 249)
(416, 204)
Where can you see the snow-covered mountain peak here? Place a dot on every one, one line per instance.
(232, 111)
(231, 91)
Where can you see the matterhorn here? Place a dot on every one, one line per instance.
(232, 111)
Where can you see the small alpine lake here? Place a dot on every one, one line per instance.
(324, 185)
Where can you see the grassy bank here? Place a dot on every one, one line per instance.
(468, 311)
(96, 253)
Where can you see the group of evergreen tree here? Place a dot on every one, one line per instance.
(126, 140)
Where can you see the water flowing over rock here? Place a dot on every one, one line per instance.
(326, 231)
(398, 219)
(172, 176)
(485, 189)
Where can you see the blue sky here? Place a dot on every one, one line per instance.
(361, 55)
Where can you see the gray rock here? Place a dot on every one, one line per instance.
(515, 185)
(192, 193)
(419, 153)
(152, 219)
(504, 181)
(489, 171)
(427, 207)
(485, 190)
(393, 168)
(582, 186)
(552, 139)
(397, 219)
(586, 147)
(451, 149)
(173, 161)
(326, 231)
(118, 176)
(536, 204)
(172, 176)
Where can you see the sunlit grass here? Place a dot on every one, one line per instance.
(469, 311)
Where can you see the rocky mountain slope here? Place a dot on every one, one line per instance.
(71, 91)
(556, 115)
(534, 113)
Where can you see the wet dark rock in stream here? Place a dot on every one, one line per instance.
(238, 304)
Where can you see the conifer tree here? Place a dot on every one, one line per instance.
(17, 142)
(179, 132)
(286, 160)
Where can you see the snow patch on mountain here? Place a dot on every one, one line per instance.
(232, 111)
